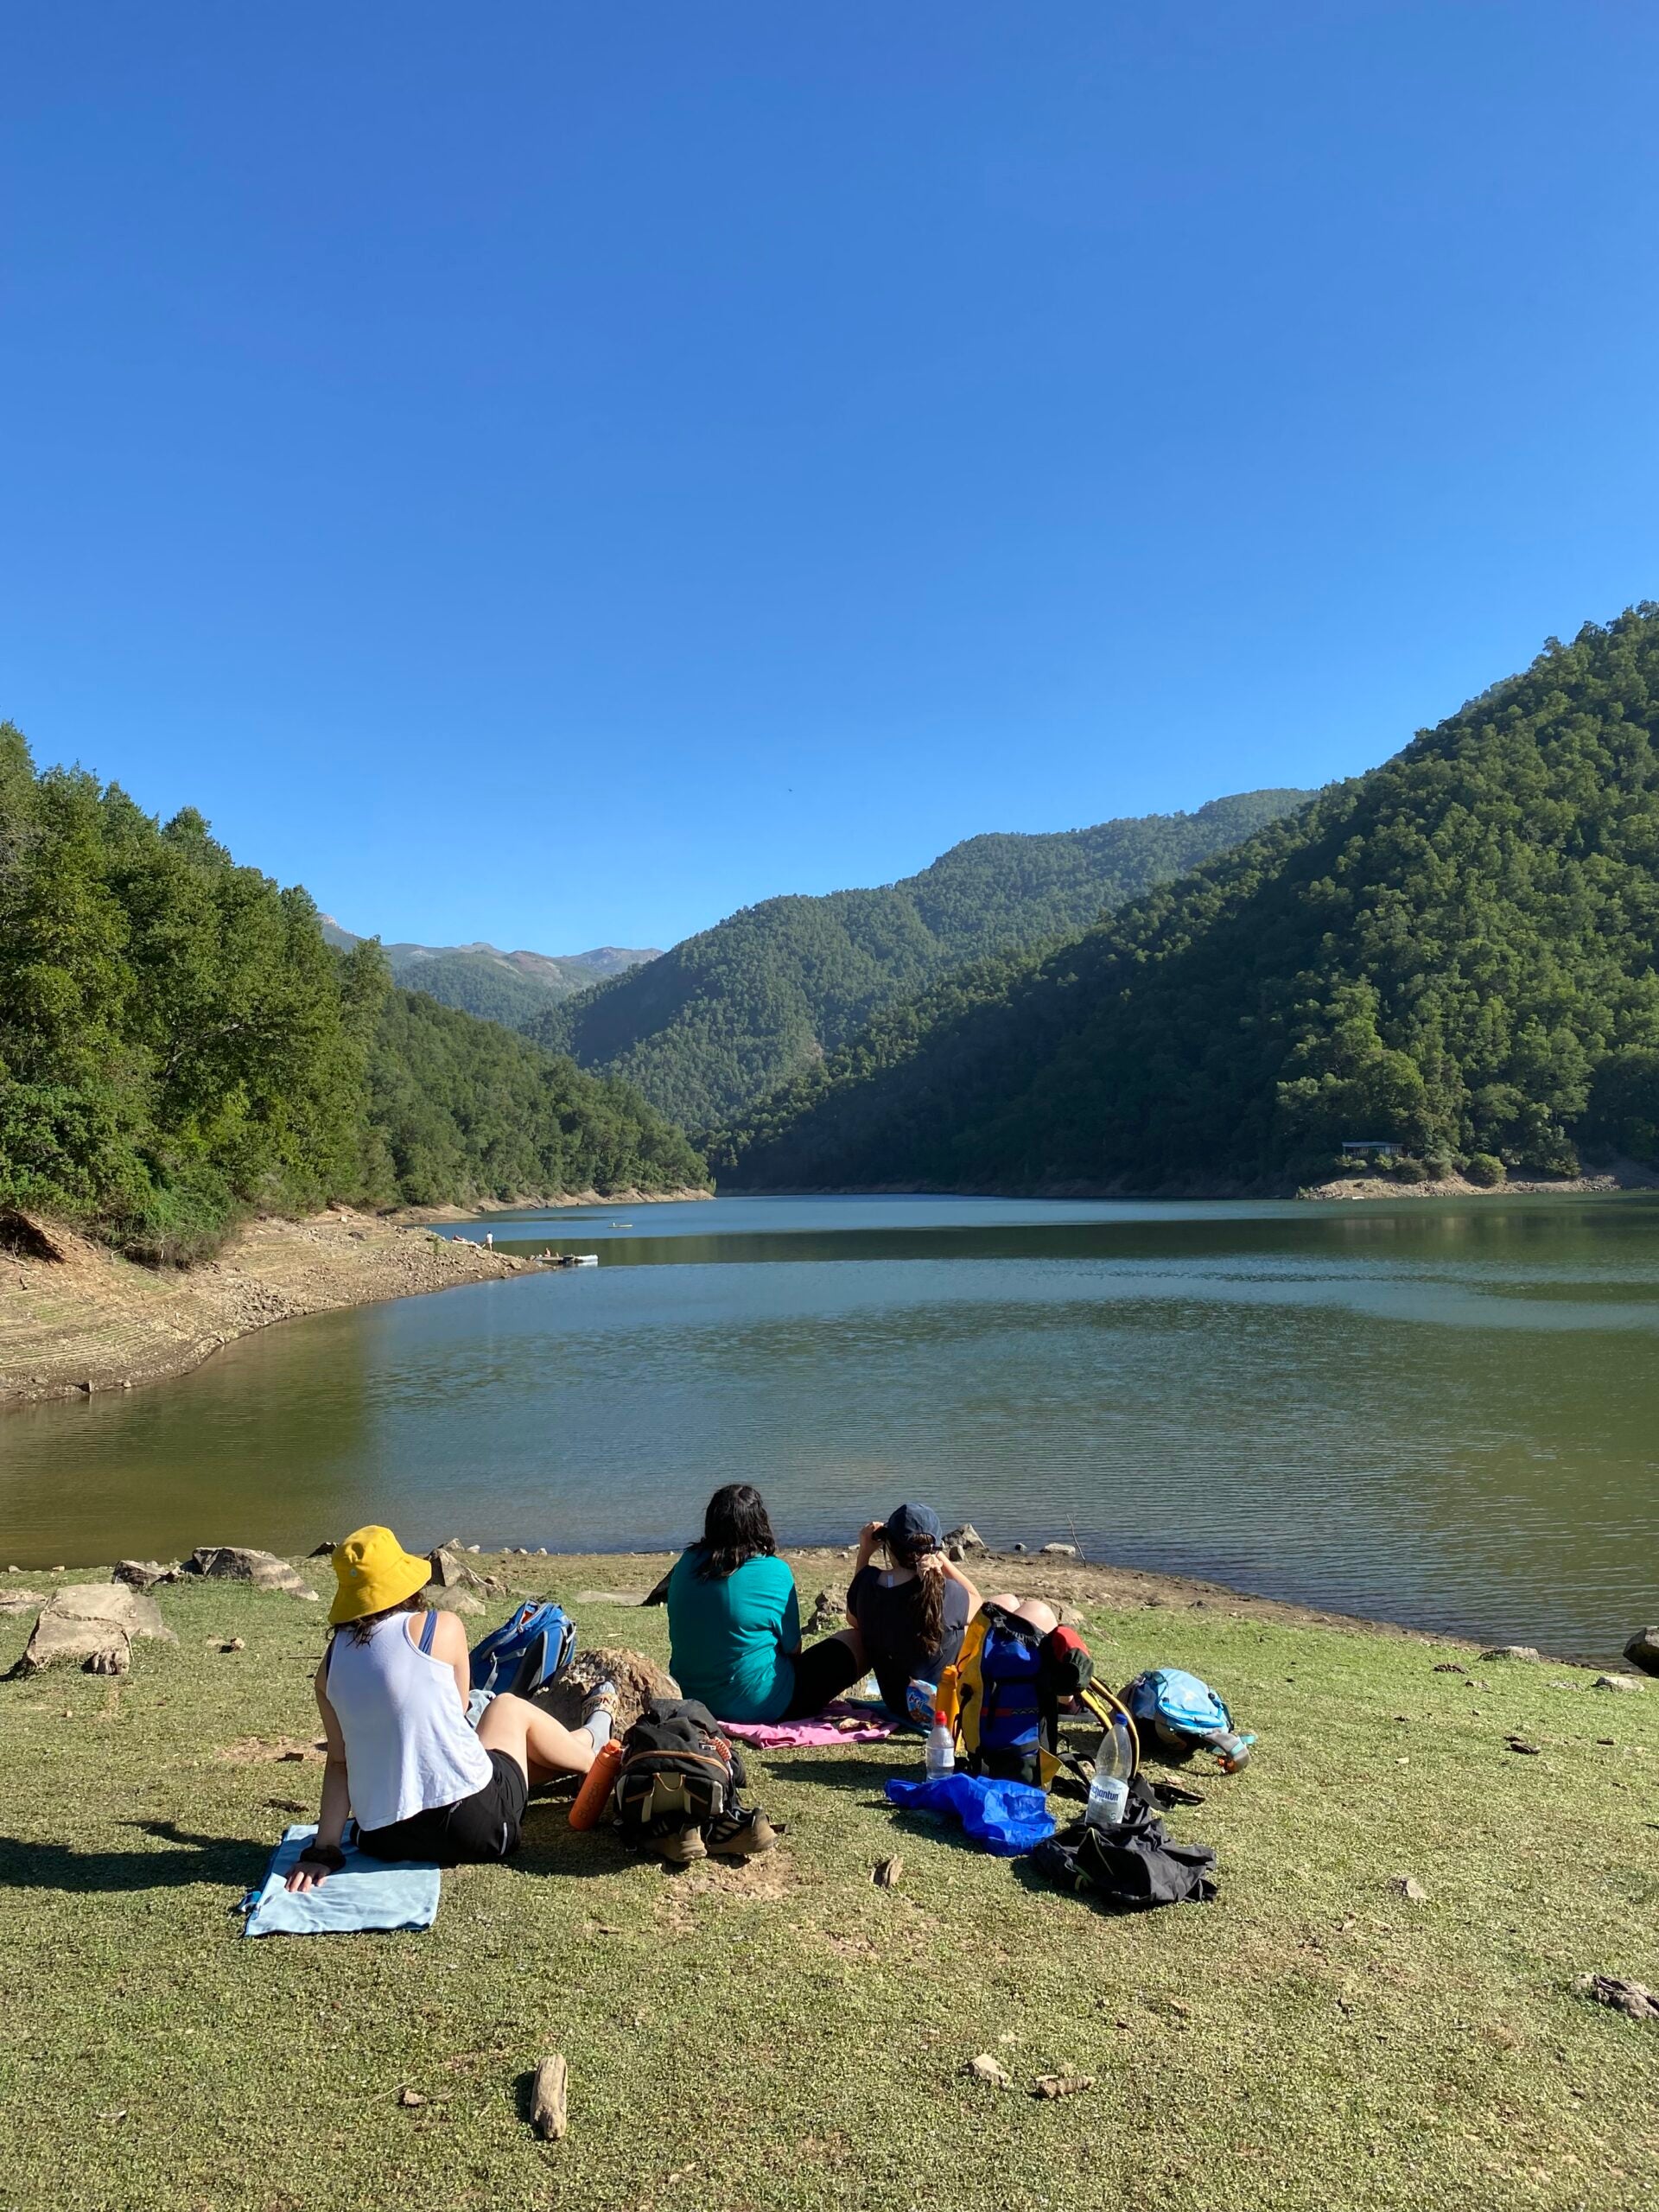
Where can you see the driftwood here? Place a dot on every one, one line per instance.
(548, 2094)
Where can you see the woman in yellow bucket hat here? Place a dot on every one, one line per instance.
(402, 1758)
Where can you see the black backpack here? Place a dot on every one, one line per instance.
(678, 1772)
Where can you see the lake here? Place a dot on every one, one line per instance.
(1445, 1413)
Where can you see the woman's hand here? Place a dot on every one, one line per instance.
(870, 1534)
(316, 1862)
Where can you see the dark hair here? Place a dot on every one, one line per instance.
(930, 1589)
(358, 1629)
(735, 1528)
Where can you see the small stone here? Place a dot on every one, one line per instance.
(548, 2099)
(1061, 2085)
(1057, 1551)
(324, 1550)
(888, 1872)
(1016, 1548)
(985, 2069)
(1450, 1667)
(828, 1615)
(1407, 1886)
(410, 2099)
(1634, 1999)
(1615, 1682)
(966, 1538)
(142, 1573)
(230, 1644)
(1642, 1650)
(1513, 1651)
(475, 1548)
(1519, 1743)
(1068, 1617)
(114, 1659)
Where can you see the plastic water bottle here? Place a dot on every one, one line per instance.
(940, 1757)
(1109, 1792)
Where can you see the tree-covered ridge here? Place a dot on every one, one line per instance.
(177, 1042)
(1456, 952)
(512, 988)
(725, 1017)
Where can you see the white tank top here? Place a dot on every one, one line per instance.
(408, 1747)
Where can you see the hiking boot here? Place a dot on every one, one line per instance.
(741, 1835)
(681, 1848)
(601, 1699)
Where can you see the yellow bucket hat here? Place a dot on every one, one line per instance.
(374, 1571)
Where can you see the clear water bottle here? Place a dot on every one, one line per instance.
(1109, 1792)
(940, 1757)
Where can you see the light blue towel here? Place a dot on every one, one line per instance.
(366, 1894)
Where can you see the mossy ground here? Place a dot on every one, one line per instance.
(789, 2036)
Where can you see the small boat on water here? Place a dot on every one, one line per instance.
(569, 1259)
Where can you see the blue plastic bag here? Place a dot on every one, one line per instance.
(1005, 1817)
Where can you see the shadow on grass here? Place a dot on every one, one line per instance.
(233, 1861)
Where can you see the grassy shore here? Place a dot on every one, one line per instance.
(788, 2036)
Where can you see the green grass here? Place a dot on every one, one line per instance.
(789, 2036)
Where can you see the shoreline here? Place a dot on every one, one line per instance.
(77, 1320)
(1627, 1176)
(622, 1578)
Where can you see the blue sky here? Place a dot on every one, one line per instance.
(556, 474)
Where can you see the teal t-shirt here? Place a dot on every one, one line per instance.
(731, 1640)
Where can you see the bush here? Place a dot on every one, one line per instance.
(1485, 1169)
(1410, 1171)
(1440, 1164)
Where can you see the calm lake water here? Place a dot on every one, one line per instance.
(1441, 1413)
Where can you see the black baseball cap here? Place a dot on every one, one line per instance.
(914, 1528)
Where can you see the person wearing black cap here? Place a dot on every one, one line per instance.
(910, 1613)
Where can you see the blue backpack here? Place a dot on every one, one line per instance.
(1182, 1715)
(526, 1653)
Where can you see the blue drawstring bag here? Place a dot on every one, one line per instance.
(1005, 1817)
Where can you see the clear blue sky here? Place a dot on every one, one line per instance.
(556, 472)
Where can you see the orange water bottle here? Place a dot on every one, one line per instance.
(589, 1802)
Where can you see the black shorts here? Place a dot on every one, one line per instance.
(822, 1671)
(478, 1830)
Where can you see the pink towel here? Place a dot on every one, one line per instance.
(838, 1724)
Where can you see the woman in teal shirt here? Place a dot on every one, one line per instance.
(735, 1621)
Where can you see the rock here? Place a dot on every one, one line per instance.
(1633, 1998)
(1642, 1650)
(144, 1574)
(475, 1548)
(412, 2100)
(229, 1643)
(18, 1601)
(1057, 1551)
(1407, 1886)
(636, 1677)
(1513, 1651)
(239, 1563)
(94, 1606)
(1519, 1743)
(1450, 1667)
(324, 1550)
(609, 1598)
(888, 1872)
(829, 1614)
(1068, 1617)
(438, 1600)
(1061, 2085)
(1016, 1548)
(1615, 1682)
(447, 1572)
(111, 1658)
(985, 2069)
(549, 2091)
(967, 1538)
(59, 1639)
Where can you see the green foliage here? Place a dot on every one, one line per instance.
(178, 1042)
(1486, 1169)
(708, 1028)
(1458, 952)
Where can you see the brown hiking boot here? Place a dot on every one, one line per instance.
(683, 1848)
(741, 1835)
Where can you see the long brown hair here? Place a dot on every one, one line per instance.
(930, 1589)
(360, 1629)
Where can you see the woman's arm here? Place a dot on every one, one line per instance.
(322, 1856)
(869, 1537)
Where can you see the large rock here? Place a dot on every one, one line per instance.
(1057, 1551)
(966, 1539)
(1524, 1651)
(238, 1563)
(93, 1624)
(637, 1678)
(1642, 1650)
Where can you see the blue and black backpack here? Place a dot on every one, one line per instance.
(526, 1654)
(1182, 1715)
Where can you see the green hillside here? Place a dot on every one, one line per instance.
(512, 988)
(1456, 951)
(725, 1017)
(178, 1043)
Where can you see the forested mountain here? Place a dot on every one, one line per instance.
(1456, 951)
(177, 1041)
(710, 1027)
(514, 988)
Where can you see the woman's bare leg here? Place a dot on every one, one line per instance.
(542, 1747)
